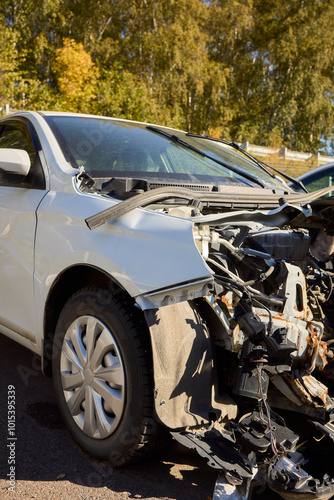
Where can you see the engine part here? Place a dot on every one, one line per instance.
(290, 481)
(258, 431)
(225, 490)
(251, 381)
(284, 244)
(326, 429)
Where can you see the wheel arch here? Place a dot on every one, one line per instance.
(67, 283)
(184, 357)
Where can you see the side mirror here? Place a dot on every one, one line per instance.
(14, 161)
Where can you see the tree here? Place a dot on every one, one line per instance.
(164, 44)
(8, 57)
(256, 70)
(281, 83)
(122, 94)
(76, 77)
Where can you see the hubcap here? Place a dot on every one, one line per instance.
(93, 377)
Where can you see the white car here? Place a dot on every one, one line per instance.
(170, 283)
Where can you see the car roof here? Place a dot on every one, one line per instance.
(101, 117)
(316, 170)
(43, 113)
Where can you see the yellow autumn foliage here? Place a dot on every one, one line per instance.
(76, 76)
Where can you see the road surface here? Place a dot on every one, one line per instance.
(41, 461)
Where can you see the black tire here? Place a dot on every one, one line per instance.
(102, 369)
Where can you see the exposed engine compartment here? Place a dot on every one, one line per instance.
(243, 359)
(274, 348)
(273, 298)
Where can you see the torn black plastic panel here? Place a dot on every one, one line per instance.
(220, 452)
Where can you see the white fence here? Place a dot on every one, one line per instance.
(5, 110)
(286, 154)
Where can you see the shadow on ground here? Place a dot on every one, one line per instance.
(46, 458)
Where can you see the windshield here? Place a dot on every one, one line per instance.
(110, 148)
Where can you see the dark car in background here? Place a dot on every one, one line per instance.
(317, 178)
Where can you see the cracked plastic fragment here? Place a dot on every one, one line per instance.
(290, 481)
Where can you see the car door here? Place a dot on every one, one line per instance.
(19, 199)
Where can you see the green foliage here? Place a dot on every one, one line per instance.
(256, 70)
(121, 94)
(76, 76)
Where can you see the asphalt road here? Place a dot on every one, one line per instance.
(48, 464)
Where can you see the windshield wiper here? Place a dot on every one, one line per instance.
(85, 181)
(177, 139)
(267, 201)
(264, 166)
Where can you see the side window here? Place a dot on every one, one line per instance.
(321, 180)
(17, 136)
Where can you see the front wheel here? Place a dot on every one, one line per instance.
(102, 368)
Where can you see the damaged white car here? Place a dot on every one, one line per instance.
(171, 283)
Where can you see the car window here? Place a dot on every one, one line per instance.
(17, 136)
(320, 180)
(111, 148)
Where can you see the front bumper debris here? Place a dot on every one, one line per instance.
(290, 481)
(272, 463)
